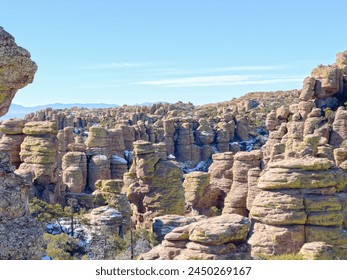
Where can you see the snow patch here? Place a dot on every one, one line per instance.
(119, 159)
(201, 166)
(171, 156)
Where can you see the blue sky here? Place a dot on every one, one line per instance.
(135, 51)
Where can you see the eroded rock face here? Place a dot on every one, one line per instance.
(75, 171)
(20, 234)
(339, 129)
(200, 196)
(165, 224)
(221, 175)
(329, 81)
(236, 199)
(301, 200)
(39, 153)
(217, 238)
(317, 251)
(108, 193)
(12, 138)
(16, 69)
(153, 185)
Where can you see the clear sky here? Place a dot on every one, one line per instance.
(135, 51)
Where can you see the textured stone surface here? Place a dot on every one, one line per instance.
(236, 200)
(276, 240)
(163, 225)
(20, 234)
(98, 169)
(299, 202)
(16, 69)
(75, 171)
(307, 91)
(317, 251)
(200, 196)
(39, 154)
(328, 81)
(153, 185)
(108, 192)
(339, 129)
(221, 237)
(12, 139)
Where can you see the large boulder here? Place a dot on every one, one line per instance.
(301, 200)
(217, 238)
(153, 185)
(16, 69)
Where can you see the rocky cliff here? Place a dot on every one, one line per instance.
(20, 235)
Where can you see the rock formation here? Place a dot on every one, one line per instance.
(236, 199)
(108, 192)
(163, 225)
(301, 200)
(20, 235)
(12, 139)
(287, 196)
(217, 238)
(153, 185)
(200, 196)
(75, 171)
(221, 175)
(39, 152)
(16, 69)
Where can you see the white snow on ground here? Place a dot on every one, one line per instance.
(246, 145)
(119, 159)
(206, 133)
(215, 149)
(201, 166)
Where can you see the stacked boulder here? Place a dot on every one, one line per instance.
(98, 141)
(217, 238)
(236, 199)
(301, 201)
(153, 185)
(204, 136)
(199, 196)
(117, 142)
(108, 192)
(223, 135)
(221, 175)
(12, 138)
(98, 169)
(163, 225)
(242, 130)
(339, 128)
(186, 150)
(169, 135)
(128, 135)
(75, 171)
(39, 156)
(99, 154)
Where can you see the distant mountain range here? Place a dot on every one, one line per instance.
(19, 111)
